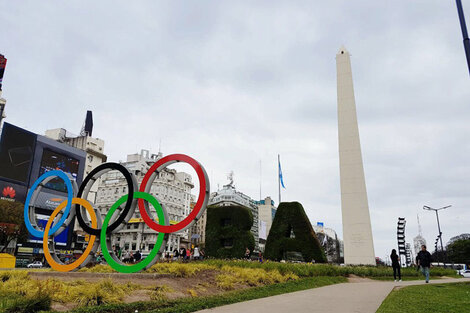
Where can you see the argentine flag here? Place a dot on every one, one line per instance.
(280, 175)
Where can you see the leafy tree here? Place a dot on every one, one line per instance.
(459, 251)
(12, 226)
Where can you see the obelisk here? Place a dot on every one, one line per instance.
(357, 230)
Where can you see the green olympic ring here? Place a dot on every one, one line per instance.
(153, 253)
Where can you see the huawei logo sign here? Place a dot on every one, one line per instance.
(9, 192)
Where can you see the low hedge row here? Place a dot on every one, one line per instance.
(312, 270)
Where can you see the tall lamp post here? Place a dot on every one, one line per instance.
(466, 40)
(438, 225)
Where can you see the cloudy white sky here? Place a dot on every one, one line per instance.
(235, 83)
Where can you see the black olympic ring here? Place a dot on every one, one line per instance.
(129, 208)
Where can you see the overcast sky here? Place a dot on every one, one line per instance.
(231, 84)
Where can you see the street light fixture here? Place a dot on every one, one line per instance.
(438, 224)
(463, 25)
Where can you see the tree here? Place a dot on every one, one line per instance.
(459, 251)
(12, 226)
(292, 233)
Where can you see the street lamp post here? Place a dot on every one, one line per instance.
(466, 40)
(438, 224)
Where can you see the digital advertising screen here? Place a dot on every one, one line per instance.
(55, 161)
(60, 239)
(16, 153)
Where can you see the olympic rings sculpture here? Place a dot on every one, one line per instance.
(100, 230)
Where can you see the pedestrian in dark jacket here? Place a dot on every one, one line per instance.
(395, 265)
(176, 254)
(183, 253)
(424, 260)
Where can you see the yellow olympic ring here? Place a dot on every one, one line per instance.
(69, 267)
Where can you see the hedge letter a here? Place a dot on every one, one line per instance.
(290, 232)
(228, 231)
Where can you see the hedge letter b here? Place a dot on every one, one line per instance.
(228, 231)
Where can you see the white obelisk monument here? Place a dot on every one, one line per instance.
(357, 230)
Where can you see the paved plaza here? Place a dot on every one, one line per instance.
(363, 296)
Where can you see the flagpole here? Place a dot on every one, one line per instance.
(260, 179)
(279, 176)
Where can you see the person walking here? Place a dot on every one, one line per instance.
(247, 253)
(196, 253)
(183, 253)
(424, 260)
(395, 265)
(137, 256)
(176, 254)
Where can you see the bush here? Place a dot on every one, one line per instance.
(291, 218)
(179, 269)
(158, 293)
(228, 231)
(233, 275)
(30, 304)
(314, 270)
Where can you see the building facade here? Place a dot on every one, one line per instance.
(94, 148)
(197, 232)
(171, 188)
(329, 241)
(267, 211)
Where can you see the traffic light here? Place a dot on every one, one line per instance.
(401, 235)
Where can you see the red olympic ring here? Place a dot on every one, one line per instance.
(200, 201)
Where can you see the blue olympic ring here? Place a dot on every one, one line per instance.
(68, 183)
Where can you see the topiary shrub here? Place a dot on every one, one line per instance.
(228, 231)
(291, 232)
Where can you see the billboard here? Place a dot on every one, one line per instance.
(56, 161)
(59, 240)
(3, 64)
(12, 192)
(16, 153)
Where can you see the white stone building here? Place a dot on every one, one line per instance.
(329, 241)
(171, 188)
(197, 232)
(266, 211)
(94, 148)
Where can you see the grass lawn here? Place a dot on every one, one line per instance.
(435, 298)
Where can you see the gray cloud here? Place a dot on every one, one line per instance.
(232, 84)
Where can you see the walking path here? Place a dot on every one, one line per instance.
(364, 296)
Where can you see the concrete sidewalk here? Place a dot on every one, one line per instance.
(354, 297)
